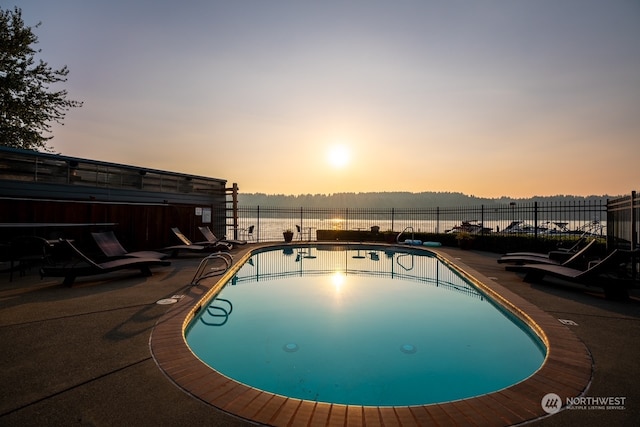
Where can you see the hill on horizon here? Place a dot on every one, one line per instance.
(399, 199)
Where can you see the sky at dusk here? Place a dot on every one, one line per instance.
(489, 98)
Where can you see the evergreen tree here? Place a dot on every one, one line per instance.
(28, 104)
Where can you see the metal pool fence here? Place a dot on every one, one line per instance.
(623, 217)
(542, 220)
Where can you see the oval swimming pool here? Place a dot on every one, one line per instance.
(361, 326)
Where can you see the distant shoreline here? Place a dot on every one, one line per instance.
(401, 200)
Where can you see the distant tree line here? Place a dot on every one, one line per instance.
(404, 200)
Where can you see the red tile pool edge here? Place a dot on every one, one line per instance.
(566, 372)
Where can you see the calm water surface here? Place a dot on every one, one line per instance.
(361, 326)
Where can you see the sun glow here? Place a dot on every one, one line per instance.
(337, 223)
(338, 156)
(338, 278)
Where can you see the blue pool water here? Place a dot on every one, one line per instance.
(361, 326)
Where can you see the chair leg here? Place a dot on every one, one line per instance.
(23, 267)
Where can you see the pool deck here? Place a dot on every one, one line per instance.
(103, 352)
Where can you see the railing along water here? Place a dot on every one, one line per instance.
(538, 220)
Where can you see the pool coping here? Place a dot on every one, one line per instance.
(566, 371)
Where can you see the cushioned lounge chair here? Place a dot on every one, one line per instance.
(560, 254)
(88, 267)
(577, 259)
(111, 247)
(599, 273)
(212, 239)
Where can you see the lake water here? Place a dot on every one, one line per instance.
(270, 229)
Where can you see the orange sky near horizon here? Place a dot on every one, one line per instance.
(489, 98)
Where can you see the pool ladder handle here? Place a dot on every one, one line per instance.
(225, 311)
(402, 255)
(202, 273)
(224, 315)
(405, 229)
(402, 265)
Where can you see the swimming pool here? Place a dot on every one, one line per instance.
(361, 325)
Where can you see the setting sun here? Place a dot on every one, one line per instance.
(338, 156)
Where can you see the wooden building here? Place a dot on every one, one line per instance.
(53, 196)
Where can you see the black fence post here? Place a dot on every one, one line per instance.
(393, 218)
(346, 218)
(634, 235)
(258, 223)
(634, 225)
(535, 221)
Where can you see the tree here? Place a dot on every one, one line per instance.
(28, 104)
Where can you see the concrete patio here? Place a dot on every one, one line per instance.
(81, 355)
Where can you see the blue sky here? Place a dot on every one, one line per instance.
(490, 98)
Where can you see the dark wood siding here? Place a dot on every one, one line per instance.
(139, 204)
(138, 226)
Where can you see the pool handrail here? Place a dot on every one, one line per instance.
(200, 271)
(405, 229)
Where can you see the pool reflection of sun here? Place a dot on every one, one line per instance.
(338, 156)
(338, 280)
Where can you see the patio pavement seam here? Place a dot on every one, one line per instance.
(73, 387)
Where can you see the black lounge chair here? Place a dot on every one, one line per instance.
(560, 254)
(111, 247)
(599, 273)
(574, 260)
(213, 240)
(188, 245)
(27, 250)
(88, 267)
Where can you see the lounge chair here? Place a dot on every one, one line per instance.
(88, 267)
(188, 245)
(559, 254)
(573, 260)
(599, 273)
(111, 247)
(303, 230)
(213, 240)
(27, 250)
